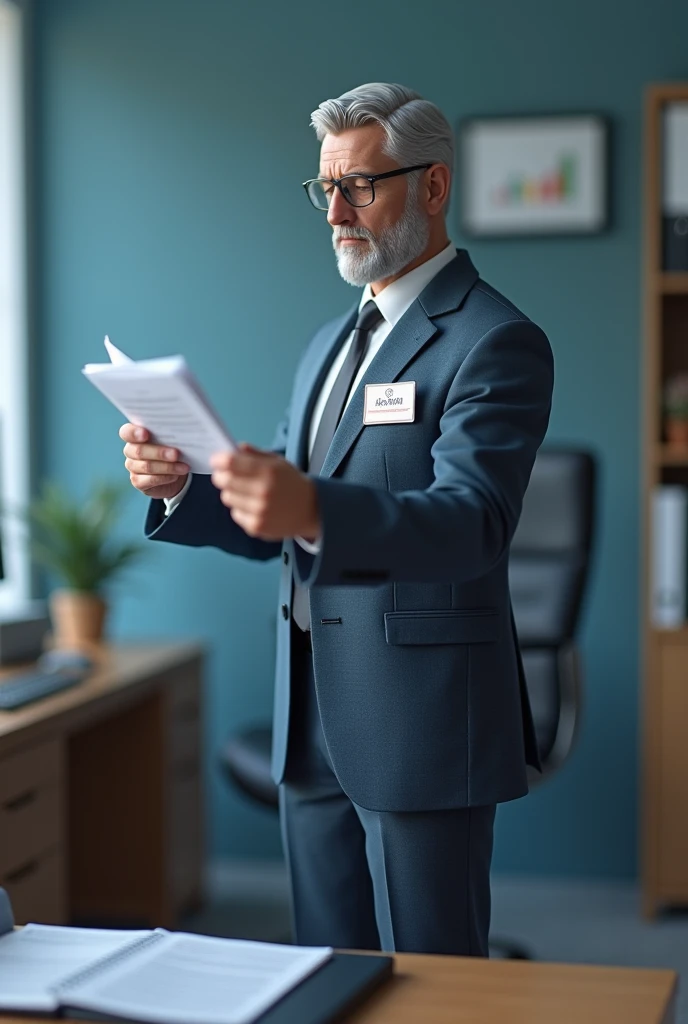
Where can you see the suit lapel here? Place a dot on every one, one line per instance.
(444, 294)
(307, 393)
(409, 335)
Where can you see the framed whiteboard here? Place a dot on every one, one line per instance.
(534, 175)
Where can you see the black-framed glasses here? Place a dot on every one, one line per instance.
(357, 189)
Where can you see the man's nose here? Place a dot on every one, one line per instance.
(340, 212)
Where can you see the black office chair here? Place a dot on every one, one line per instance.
(548, 571)
(245, 758)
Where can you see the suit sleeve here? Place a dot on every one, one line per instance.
(494, 419)
(201, 520)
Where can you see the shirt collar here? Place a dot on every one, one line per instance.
(395, 299)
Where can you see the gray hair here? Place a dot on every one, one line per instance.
(417, 132)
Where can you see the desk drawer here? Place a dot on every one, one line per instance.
(29, 768)
(184, 741)
(31, 811)
(184, 724)
(184, 694)
(37, 889)
(185, 791)
(30, 825)
(186, 839)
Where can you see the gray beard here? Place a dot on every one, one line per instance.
(388, 253)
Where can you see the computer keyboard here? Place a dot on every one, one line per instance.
(29, 686)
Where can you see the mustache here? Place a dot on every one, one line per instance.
(344, 232)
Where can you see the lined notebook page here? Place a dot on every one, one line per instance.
(196, 978)
(38, 957)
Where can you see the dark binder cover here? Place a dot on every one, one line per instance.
(333, 991)
(325, 996)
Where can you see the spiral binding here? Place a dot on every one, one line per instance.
(109, 960)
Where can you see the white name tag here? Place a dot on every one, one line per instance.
(390, 403)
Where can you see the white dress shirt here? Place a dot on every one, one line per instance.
(392, 301)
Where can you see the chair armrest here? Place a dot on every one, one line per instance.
(537, 643)
(569, 679)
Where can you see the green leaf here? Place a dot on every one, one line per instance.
(74, 539)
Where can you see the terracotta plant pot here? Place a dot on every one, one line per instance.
(677, 431)
(78, 618)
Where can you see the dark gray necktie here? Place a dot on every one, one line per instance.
(368, 319)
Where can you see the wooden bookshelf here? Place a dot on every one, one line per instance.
(664, 819)
(672, 283)
(671, 455)
(673, 636)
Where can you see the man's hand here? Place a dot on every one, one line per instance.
(153, 470)
(267, 496)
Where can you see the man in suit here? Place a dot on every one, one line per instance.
(391, 495)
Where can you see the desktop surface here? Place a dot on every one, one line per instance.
(458, 990)
(461, 990)
(117, 669)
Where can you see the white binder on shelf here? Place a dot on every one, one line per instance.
(668, 556)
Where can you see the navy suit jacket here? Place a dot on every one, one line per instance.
(418, 675)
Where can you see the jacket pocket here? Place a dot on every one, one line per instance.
(456, 626)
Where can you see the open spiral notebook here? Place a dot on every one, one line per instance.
(163, 977)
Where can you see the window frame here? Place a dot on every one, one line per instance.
(15, 441)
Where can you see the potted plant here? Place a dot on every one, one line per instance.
(676, 409)
(74, 541)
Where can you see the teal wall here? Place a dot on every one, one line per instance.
(172, 137)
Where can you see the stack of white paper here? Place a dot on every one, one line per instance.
(163, 396)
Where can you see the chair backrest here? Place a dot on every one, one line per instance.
(548, 571)
(550, 551)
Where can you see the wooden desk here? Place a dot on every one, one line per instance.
(454, 990)
(101, 813)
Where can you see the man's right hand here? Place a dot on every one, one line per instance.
(153, 469)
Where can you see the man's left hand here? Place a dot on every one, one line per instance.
(266, 496)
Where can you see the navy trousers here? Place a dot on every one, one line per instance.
(401, 882)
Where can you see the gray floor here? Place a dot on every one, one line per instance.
(574, 921)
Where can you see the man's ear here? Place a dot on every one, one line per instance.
(437, 186)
